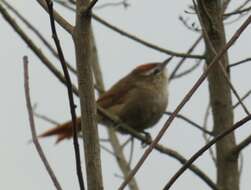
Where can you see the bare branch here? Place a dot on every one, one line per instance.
(188, 71)
(191, 123)
(143, 42)
(243, 144)
(240, 62)
(185, 100)
(204, 135)
(241, 11)
(70, 94)
(197, 41)
(205, 148)
(45, 118)
(242, 99)
(33, 128)
(83, 51)
(91, 5)
(124, 3)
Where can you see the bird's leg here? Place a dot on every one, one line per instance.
(148, 139)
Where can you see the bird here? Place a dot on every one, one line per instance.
(139, 100)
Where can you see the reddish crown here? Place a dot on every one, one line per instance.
(144, 67)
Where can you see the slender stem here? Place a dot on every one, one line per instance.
(70, 94)
(205, 148)
(33, 128)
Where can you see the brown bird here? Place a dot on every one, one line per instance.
(139, 100)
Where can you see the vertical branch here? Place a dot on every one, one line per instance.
(82, 42)
(220, 93)
(70, 94)
(32, 126)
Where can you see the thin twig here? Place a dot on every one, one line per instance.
(113, 4)
(185, 100)
(205, 148)
(191, 123)
(45, 118)
(91, 5)
(241, 146)
(239, 62)
(70, 94)
(131, 152)
(204, 135)
(190, 50)
(33, 128)
(188, 71)
(238, 12)
(242, 99)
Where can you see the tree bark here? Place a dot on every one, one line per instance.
(220, 93)
(82, 41)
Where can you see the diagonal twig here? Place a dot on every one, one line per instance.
(205, 148)
(191, 123)
(239, 62)
(197, 41)
(242, 99)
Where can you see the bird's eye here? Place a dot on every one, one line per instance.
(156, 71)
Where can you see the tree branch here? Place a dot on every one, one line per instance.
(83, 51)
(205, 148)
(239, 62)
(191, 123)
(70, 95)
(33, 128)
(243, 144)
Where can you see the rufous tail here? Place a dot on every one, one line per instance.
(62, 131)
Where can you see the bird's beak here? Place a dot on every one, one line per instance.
(165, 63)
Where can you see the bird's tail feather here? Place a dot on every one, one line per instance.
(62, 131)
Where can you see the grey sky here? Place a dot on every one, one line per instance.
(155, 21)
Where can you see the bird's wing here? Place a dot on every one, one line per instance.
(116, 94)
